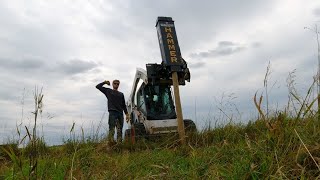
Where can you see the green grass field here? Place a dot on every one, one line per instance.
(275, 148)
(280, 145)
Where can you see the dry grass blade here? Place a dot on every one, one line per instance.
(24, 137)
(29, 135)
(310, 106)
(248, 142)
(305, 100)
(296, 97)
(258, 106)
(18, 131)
(230, 118)
(307, 149)
(72, 127)
(34, 167)
(162, 166)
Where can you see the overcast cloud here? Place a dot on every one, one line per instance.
(67, 47)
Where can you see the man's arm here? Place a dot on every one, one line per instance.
(100, 85)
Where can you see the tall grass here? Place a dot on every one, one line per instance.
(288, 150)
(280, 145)
(25, 161)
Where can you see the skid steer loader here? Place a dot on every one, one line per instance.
(151, 107)
(150, 103)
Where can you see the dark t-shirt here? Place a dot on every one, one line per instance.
(115, 98)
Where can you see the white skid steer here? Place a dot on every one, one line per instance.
(152, 109)
(150, 104)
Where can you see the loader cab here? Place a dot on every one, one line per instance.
(155, 101)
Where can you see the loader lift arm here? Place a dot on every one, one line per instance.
(140, 74)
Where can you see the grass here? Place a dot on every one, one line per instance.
(282, 145)
(290, 150)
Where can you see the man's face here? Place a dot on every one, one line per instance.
(115, 84)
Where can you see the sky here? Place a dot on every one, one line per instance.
(66, 48)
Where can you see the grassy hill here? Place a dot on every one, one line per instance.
(277, 148)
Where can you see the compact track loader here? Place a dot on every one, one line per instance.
(150, 103)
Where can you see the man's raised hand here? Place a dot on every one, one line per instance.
(107, 82)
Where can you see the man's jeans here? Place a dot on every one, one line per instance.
(115, 121)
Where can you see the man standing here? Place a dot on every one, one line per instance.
(116, 106)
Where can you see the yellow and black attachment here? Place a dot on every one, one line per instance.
(172, 60)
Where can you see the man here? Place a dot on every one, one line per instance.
(116, 106)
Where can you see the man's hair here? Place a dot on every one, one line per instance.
(116, 81)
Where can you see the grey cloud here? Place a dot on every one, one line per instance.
(196, 65)
(30, 40)
(114, 28)
(256, 44)
(307, 62)
(224, 48)
(6, 94)
(226, 51)
(316, 11)
(72, 67)
(133, 26)
(23, 34)
(75, 66)
(226, 43)
(22, 64)
(120, 27)
(207, 18)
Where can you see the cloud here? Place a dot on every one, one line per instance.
(256, 44)
(6, 94)
(207, 19)
(71, 67)
(226, 43)
(196, 65)
(75, 66)
(23, 64)
(70, 51)
(316, 11)
(225, 48)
